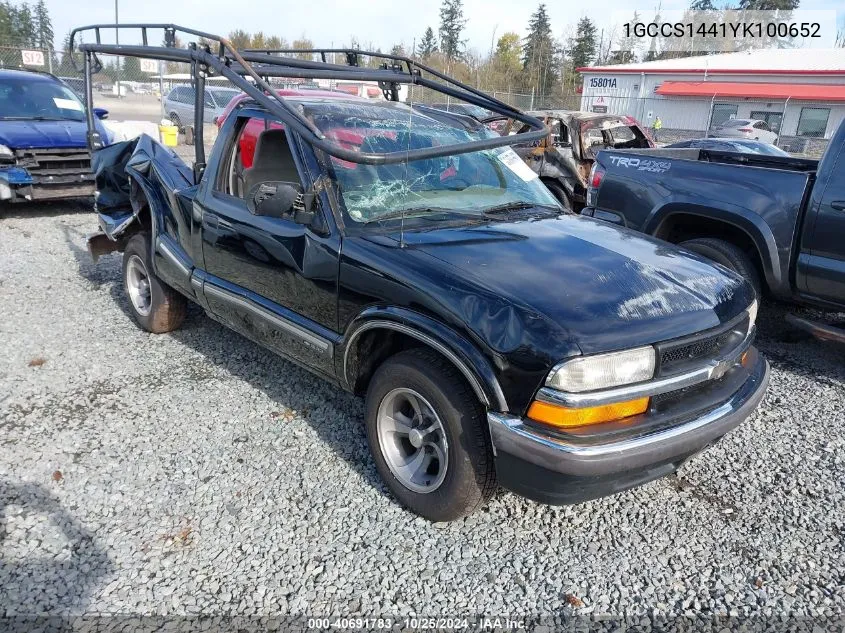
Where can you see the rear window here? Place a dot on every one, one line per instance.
(736, 122)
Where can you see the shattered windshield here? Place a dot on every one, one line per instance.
(465, 184)
(25, 98)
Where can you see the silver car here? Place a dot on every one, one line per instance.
(754, 129)
(179, 104)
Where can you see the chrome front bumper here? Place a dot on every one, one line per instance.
(614, 465)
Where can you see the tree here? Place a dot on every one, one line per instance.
(303, 43)
(399, 50)
(768, 5)
(130, 69)
(17, 25)
(702, 5)
(584, 44)
(539, 52)
(452, 24)
(43, 26)
(508, 51)
(428, 45)
(240, 39)
(259, 40)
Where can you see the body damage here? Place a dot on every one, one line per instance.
(43, 147)
(529, 292)
(567, 154)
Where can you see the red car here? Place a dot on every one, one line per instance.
(254, 127)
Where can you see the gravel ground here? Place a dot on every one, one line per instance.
(196, 473)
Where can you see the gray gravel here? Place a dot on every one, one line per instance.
(196, 473)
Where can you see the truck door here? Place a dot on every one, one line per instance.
(271, 278)
(821, 267)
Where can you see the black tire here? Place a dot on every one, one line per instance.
(730, 256)
(470, 478)
(559, 193)
(167, 308)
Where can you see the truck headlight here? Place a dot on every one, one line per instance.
(588, 373)
(5, 152)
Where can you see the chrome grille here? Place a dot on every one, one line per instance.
(679, 355)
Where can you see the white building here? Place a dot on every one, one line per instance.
(798, 92)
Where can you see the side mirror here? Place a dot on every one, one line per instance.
(282, 200)
(101, 113)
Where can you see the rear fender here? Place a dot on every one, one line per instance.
(746, 221)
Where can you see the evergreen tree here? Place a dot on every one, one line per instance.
(428, 45)
(702, 5)
(43, 26)
(768, 5)
(539, 52)
(584, 44)
(130, 69)
(452, 24)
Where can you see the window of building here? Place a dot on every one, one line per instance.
(813, 122)
(722, 112)
(772, 119)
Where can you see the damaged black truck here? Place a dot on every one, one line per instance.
(408, 255)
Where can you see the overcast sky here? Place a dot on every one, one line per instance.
(334, 22)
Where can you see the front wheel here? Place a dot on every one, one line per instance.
(428, 435)
(154, 305)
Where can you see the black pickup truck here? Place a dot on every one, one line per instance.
(777, 221)
(409, 256)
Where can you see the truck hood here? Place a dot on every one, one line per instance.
(27, 134)
(607, 287)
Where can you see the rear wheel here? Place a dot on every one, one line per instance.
(428, 435)
(155, 306)
(730, 256)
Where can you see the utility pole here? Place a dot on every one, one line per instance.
(117, 41)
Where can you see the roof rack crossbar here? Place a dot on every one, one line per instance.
(237, 66)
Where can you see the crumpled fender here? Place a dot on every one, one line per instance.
(131, 174)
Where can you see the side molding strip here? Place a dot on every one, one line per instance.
(437, 345)
(277, 321)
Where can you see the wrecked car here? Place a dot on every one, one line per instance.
(563, 160)
(44, 151)
(409, 256)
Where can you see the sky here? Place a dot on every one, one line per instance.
(334, 22)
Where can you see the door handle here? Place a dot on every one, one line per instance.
(839, 205)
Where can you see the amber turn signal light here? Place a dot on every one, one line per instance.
(564, 417)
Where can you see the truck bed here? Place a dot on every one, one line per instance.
(730, 158)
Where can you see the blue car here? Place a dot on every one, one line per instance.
(43, 139)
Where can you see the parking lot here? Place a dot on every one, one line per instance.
(195, 472)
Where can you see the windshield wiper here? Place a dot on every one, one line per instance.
(516, 206)
(411, 213)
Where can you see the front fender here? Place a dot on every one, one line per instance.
(462, 353)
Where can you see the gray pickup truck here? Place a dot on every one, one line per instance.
(778, 221)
